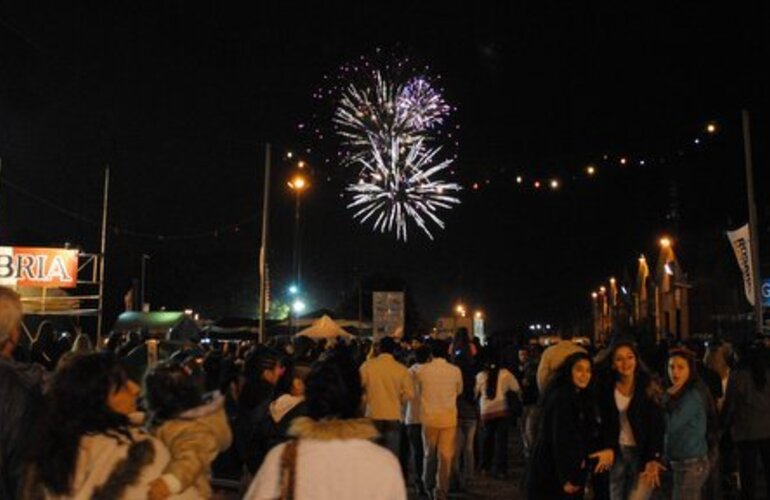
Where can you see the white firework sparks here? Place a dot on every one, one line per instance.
(394, 187)
(421, 106)
(370, 117)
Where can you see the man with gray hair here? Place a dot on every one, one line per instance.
(20, 397)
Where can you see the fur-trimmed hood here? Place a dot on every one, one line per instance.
(328, 430)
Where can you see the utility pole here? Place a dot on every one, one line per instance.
(263, 247)
(753, 227)
(103, 256)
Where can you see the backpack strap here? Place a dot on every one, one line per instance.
(289, 470)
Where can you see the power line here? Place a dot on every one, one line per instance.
(211, 233)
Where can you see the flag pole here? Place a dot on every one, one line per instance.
(753, 232)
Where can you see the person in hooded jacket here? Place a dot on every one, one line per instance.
(194, 428)
(333, 455)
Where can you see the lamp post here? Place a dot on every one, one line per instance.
(298, 184)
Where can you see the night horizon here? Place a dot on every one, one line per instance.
(180, 103)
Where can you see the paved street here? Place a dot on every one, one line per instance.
(487, 487)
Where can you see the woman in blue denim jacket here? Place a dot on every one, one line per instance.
(685, 441)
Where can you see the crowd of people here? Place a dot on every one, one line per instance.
(358, 420)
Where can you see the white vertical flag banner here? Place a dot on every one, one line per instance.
(741, 242)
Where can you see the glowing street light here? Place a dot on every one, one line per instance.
(519, 179)
(711, 128)
(460, 310)
(298, 183)
(298, 306)
(591, 170)
(594, 295)
(665, 242)
(554, 183)
(479, 315)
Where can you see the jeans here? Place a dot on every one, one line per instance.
(414, 431)
(464, 462)
(624, 476)
(494, 445)
(748, 452)
(688, 477)
(390, 435)
(439, 448)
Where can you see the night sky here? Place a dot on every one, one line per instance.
(180, 99)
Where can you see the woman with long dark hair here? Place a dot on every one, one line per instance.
(686, 413)
(88, 447)
(567, 436)
(746, 411)
(632, 419)
(493, 383)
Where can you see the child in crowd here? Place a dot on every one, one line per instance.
(193, 427)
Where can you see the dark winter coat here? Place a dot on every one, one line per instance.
(20, 403)
(568, 433)
(645, 415)
(248, 433)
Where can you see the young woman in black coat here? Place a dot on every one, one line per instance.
(568, 436)
(632, 423)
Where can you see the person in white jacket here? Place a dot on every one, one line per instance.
(88, 447)
(332, 455)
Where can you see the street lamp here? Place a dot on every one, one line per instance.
(665, 242)
(298, 184)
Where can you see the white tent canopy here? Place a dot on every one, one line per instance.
(324, 328)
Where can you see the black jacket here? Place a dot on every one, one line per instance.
(568, 433)
(20, 404)
(253, 409)
(645, 416)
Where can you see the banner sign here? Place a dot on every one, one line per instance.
(387, 313)
(38, 267)
(741, 243)
(766, 292)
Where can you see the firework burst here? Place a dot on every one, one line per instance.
(381, 110)
(394, 187)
